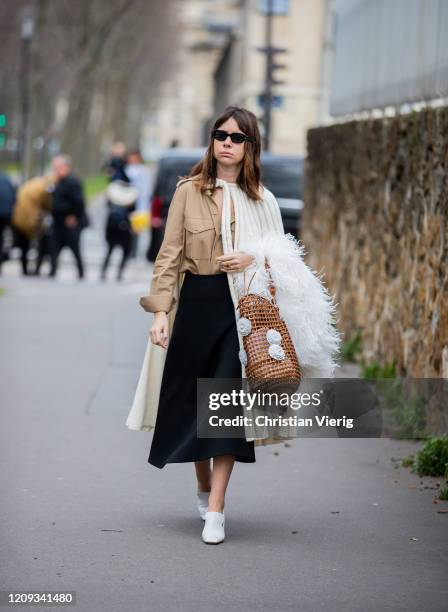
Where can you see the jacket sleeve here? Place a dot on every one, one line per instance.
(166, 266)
(77, 198)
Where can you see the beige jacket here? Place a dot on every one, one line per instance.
(192, 241)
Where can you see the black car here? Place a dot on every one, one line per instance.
(174, 164)
(282, 174)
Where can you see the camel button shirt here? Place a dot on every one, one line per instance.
(192, 241)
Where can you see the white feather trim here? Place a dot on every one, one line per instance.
(304, 303)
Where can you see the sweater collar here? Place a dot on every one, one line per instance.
(221, 183)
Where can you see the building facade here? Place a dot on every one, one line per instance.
(219, 64)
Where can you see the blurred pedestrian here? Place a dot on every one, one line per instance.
(121, 201)
(33, 203)
(115, 166)
(140, 178)
(44, 242)
(68, 213)
(7, 200)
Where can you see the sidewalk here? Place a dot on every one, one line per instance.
(320, 524)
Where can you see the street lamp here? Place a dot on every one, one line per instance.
(271, 81)
(26, 35)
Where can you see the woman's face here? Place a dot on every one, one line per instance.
(227, 153)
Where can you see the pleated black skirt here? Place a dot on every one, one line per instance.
(203, 344)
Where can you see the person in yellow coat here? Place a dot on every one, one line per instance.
(33, 202)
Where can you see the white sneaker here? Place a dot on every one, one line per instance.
(202, 497)
(213, 532)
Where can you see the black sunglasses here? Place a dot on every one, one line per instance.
(235, 137)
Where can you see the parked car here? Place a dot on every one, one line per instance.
(172, 165)
(282, 174)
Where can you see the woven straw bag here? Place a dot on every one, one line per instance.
(269, 355)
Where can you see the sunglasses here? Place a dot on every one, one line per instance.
(235, 137)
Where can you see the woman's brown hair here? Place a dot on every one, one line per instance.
(249, 177)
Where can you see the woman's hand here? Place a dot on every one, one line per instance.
(159, 329)
(236, 262)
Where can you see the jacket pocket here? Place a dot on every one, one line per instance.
(200, 232)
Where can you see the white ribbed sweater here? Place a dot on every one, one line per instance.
(253, 220)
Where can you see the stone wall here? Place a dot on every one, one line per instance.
(376, 224)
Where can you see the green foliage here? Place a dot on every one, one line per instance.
(404, 415)
(375, 370)
(408, 412)
(352, 347)
(93, 185)
(432, 459)
(10, 168)
(443, 493)
(408, 461)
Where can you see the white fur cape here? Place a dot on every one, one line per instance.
(304, 303)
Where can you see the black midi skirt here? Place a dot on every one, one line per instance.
(203, 344)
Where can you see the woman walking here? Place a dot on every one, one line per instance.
(204, 341)
(221, 221)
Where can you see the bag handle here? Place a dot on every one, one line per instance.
(272, 289)
(253, 275)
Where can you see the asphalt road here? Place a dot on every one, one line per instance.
(321, 524)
